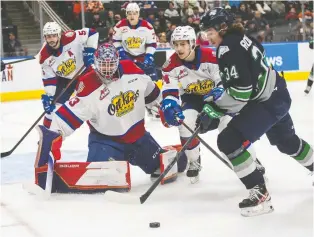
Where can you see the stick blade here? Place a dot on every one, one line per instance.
(5, 154)
(143, 198)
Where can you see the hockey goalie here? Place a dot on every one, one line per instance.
(111, 99)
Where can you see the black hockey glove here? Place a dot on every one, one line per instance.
(209, 118)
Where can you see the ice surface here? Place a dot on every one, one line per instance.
(206, 209)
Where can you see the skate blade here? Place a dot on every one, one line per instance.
(194, 180)
(263, 208)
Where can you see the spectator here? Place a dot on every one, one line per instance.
(151, 18)
(157, 27)
(259, 22)
(117, 18)
(110, 22)
(13, 47)
(262, 7)
(278, 7)
(162, 18)
(146, 4)
(201, 39)
(171, 12)
(95, 7)
(97, 22)
(291, 15)
(169, 32)
(196, 16)
(308, 14)
(243, 13)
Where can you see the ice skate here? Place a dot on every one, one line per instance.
(193, 170)
(307, 90)
(258, 202)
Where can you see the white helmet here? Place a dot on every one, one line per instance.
(184, 33)
(52, 28)
(132, 7)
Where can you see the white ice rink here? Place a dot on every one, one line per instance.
(206, 209)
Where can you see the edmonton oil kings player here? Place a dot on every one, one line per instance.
(259, 97)
(112, 100)
(135, 39)
(62, 56)
(190, 74)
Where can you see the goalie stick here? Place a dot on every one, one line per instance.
(7, 153)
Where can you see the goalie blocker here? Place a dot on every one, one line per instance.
(90, 177)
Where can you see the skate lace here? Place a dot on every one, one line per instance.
(255, 194)
(195, 165)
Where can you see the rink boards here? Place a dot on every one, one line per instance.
(22, 81)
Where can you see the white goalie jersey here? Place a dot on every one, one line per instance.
(116, 110)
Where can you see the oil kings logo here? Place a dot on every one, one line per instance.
(66, 68)
(199, 87)
(133, 42)
(123, 103)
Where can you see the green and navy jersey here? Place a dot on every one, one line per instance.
(244, 72)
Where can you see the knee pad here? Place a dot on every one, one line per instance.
(190, 119)
(290, 145)
(232, 143)
(230, 140)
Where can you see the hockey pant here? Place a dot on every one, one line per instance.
(192, 105)
(255, 119)
(143, 153)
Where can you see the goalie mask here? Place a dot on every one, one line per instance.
(106, 62)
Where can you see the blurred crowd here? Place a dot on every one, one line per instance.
(258, 17)
(261, 19)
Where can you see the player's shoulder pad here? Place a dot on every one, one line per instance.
(44, 54)
(230, 41)
(171, 63)
(146, 24)
(129, 67)
(87, 84)
(123, 22)
(208, 55)
(68, 36)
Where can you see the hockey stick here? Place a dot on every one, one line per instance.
(205, 144)
(208, 147)
(19, 61)
(7, 153)
(144, 197)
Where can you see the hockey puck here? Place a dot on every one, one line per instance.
(154, 225)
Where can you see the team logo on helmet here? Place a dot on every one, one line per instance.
(123, 103)
(200, 87)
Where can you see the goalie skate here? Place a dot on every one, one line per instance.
(258, 202)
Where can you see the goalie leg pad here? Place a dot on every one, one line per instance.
(166, 158)
(86, 177)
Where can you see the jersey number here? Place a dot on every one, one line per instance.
(231, 74)
(82, 32)
(74, 101)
